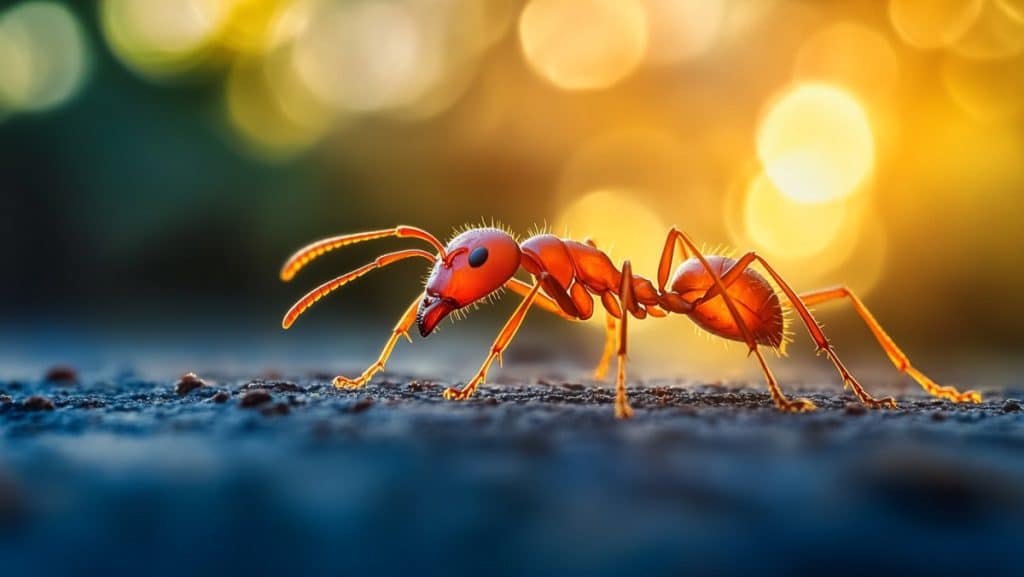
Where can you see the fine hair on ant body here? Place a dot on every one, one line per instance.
(722, 295)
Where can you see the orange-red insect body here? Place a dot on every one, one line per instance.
(720, 294)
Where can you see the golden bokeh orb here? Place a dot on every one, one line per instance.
(815, 143)
(583, 44)
(931, 24)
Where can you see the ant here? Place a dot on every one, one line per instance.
(722, 295)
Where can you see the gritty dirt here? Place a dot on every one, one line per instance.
(290, 475)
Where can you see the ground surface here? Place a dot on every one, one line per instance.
(130, 477)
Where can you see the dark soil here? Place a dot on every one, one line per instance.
(291, 476)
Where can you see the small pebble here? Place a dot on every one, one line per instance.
(420, 386)
(361, 405)
(1011, 406)
(573, 386)
(276, 409)
(855, 409)
(255, 398)
(37, 403)
(61, 375)
(220, 397)
(188, 383)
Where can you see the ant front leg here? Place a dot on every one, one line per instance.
(401, 330)
(504, 337)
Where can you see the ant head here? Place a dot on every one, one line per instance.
(476, 263)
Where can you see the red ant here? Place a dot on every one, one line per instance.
(722, 295)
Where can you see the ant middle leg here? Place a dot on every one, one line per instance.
(622, 408)
(781, 401)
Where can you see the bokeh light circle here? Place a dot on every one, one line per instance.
(269, 110)
(815, 143)
(161, 37)
(931, 24)
(368, 56)
(996, 33)
(44, 57)
(583, 44)
(680, 30)
(258, 26)
(850, 55)
(988, 90)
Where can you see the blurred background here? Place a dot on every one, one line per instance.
(161, 158)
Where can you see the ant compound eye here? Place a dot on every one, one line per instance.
(478, 257)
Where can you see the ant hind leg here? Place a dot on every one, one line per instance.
(813, 329)
(896, 355)
(781, 401)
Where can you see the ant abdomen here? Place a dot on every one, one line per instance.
(755, 298)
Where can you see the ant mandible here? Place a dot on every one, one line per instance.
(722, 295)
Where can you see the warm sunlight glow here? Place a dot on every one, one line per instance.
(583, 44)
(815, 143)
(997, 33)
(986, 89)
(930, 24)
(850, 55)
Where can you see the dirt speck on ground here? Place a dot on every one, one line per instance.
(61, 375)
(255, 398)
(188, 383)
(38, 403)
(361, 405)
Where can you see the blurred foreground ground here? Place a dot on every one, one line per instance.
(127, 477)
